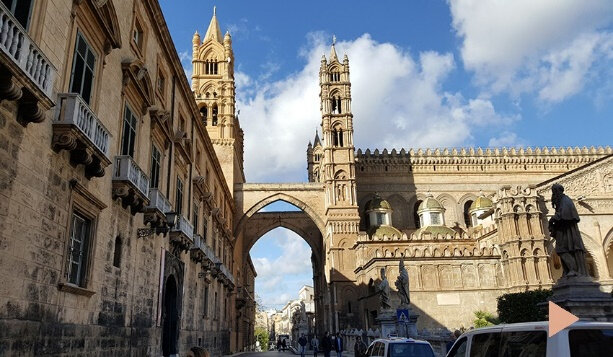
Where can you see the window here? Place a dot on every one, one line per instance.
(211, 67)
(337, 137)
(204, 229)
(82, 76)
(459, 348)
(138, 35)
(485, 345)
(161, 83)
(216, 309)
(206, 301)
(182, 124)
(524, 343)
(156, 163)
(336, 105)
(195, 215)
(409, 349)
(590, 342)
(435, 218)
(21, 9)
(379, 217)
(416, 217)
(79, 249)
(117, 252)
(214, 114)
(467, 219)
(203, 114)
(129, 132)
(179, 196)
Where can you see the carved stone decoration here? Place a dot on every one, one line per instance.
(30, 112)
(402, 284)
(129, 198)
(8, 89)
(136, 77)
(384, 292)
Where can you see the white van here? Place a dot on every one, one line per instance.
(529, 339)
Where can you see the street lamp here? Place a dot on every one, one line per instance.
(171, 221)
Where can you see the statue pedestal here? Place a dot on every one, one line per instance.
(387, 320)
(408, 328)
(581, 296)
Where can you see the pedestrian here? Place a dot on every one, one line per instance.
(302, 341)
(338, 345)
(279, 345)
(197, 352)
(284, 344)
(454, 337)
(326, 344)
(359, 349)
(315, 345)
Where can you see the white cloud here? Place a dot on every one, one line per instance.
(397, 102)
(279, 278)
(524, 46)
(506, 139)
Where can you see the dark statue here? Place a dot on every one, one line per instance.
(402, 283)
(563, 228)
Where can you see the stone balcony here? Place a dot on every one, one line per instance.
(130, 184)
(155, 211)
(26, 75)
(77, 129)
(226, 276)
(182, 234)
(203, 254)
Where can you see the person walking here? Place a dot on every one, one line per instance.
(302, 341)
(279, 344)
(338, 345)
(315, 345)
(359, 349)
(326, 344)
(454, 336)
(284, 344)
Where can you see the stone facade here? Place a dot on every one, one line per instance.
(100, 138)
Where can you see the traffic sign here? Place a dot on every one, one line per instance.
(402, 315)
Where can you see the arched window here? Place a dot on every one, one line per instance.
(203, 114)
(335, 104)
(467, 218)
(214, 119)
(211, 66)
(337, 136)
(591, 265)
(117, 252)
(415, 215)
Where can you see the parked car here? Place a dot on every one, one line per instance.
(399, 347)
(529, 339)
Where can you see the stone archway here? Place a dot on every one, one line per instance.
(170, 313)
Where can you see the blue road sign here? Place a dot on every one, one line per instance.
(402, 315)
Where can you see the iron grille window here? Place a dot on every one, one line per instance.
(195, 218)
(206, 301)
(21, 9)
(179, 196)
(129, 132)
(79, 249)
(156, 160)
(83, 64)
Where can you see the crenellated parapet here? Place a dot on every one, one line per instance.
(478, 159)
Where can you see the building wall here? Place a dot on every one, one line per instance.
(116, 311)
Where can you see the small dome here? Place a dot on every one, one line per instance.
(430, 204)
(481, 203)
(436, 230)
(378, 203)
(384, 231)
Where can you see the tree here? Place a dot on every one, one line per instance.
(484, 318)
(261, 334)
(523, 307)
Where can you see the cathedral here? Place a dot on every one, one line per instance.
(126, 220)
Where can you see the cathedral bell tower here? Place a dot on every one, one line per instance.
(214, 91)
(337, 169)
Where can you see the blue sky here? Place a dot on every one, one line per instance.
(425, 73)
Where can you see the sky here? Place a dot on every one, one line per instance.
(424, 73)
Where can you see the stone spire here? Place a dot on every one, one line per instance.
(316, 141)
(214, 32)
(333, 56)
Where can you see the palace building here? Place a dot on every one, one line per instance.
(126, 220)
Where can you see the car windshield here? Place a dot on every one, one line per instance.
(410, 350)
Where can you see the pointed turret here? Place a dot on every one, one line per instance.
(316, 141)
(214, 32)
(333, 56)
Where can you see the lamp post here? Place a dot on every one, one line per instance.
(171, 221)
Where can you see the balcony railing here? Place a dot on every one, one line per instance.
(157, 201)
(184, 227)
(126, 169)
(19, 47)
(74, 111)
(226, 272)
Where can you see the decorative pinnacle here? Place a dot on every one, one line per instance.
(333, 40)
(214, 10)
